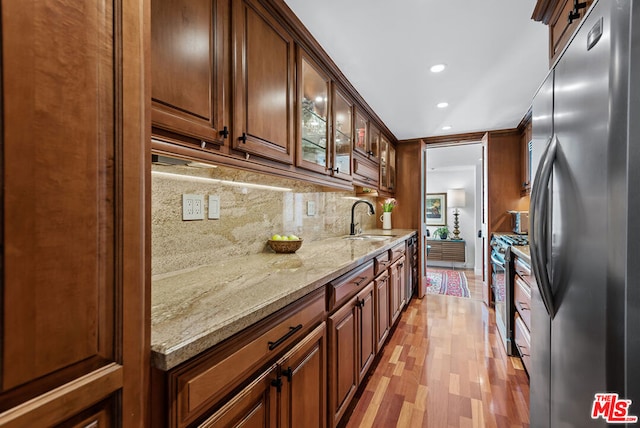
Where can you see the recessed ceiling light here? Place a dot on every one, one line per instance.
(437, 68)
(446, 127)
(443, 105)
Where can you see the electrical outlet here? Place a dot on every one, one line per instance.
(214, 207)
(192, 207)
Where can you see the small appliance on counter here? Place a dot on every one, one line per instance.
(520, 222)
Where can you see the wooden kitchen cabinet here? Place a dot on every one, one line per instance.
(563, 18)
(382, 309)
(387, 166)
(190, 58)
(398, 283)
(290, 393)
(74, 128)
(342, 124)
(255, 406)
(263, 74)
(352, 349)
(367, 138)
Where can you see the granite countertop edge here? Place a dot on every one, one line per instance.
(176, 338)
(522, 251)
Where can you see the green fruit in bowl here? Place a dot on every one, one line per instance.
(293, 238)
(276, 237)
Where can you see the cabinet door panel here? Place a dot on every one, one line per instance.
(254, 407)
(342, 135)
(59, 179)
(305, 378)
(187, 63)
(382, 309)
(343, 373)
(263, 69)
(367, 330)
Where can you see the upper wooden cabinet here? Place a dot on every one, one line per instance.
(342, 134)
(562, 17)
(314, 87)
(74, 128)
(189, 66)
(263, 81)
(387, 166)
(367, 141)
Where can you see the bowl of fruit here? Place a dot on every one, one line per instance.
(284, 243)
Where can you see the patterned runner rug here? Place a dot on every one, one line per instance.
(447, 282)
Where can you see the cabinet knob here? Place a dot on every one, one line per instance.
(243, 138)
(336, 170)
(225, 132)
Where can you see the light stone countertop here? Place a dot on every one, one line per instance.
(195, 309)
(522, 251)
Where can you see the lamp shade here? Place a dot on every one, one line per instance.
(455, 198)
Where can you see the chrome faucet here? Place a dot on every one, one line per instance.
(372, 211)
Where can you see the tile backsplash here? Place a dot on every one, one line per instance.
(248, 215)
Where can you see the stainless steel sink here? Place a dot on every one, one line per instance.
(368, 237)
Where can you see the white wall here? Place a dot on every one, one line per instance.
(439, 181)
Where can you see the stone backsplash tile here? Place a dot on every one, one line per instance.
(248, 215)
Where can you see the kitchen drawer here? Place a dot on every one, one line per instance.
(199, 385)
(522, 300)
(345, 287)
(397, 251)
(365, 171)
(382, 262)
(523, 269)
(523, 342)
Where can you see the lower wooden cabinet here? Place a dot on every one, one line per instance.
(290, 393)
(397, 288)
(352, 349)
(382, 309)
(303, 375)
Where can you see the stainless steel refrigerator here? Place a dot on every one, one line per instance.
(584, 232)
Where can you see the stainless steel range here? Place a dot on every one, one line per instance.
(502, 295)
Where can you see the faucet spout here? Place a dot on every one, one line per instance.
(372, 211)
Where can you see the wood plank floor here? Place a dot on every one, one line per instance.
(444, 366)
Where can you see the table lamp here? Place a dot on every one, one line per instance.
(456, 199)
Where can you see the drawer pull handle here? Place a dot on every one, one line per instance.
(382, 262)
(362, 279)
(291, 332)
(521, 352)
(524, 306)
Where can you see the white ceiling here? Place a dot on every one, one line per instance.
(496, 58)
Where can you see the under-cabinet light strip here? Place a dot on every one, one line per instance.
(183, 177)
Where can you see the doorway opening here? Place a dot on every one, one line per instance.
(453, 209)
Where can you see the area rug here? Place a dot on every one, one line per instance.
(447, 282)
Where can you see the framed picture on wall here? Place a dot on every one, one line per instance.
(435, 208)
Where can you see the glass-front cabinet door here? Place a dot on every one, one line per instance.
(342, 135)
(314, 101)
(361, 142)
(391, 165)
(374, 149)
(384, 159)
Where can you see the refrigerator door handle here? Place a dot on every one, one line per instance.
(540, 225)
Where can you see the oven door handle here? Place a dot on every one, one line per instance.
(497, 261)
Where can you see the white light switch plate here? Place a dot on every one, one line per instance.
(192, 207)
(214, 207)
(311, 208)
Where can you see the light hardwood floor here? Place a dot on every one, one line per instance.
(445, 366)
